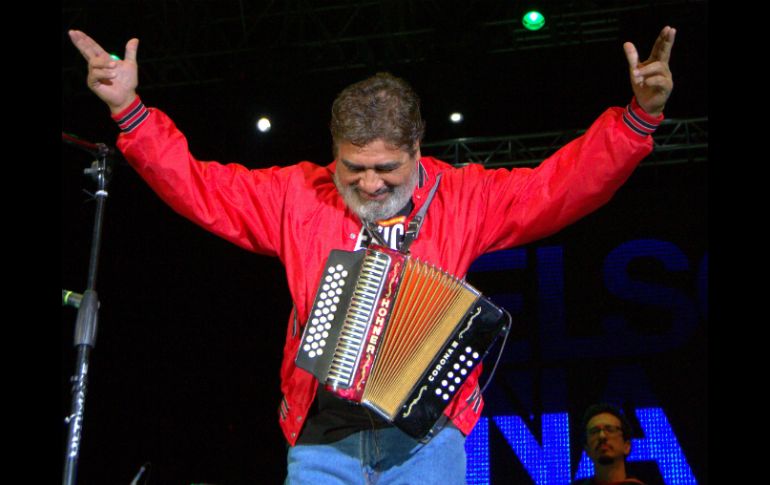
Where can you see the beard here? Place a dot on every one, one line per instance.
(376, 210)
(606, 460)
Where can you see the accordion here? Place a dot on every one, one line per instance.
(396, 335)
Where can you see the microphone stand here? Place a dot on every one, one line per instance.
(87, 316)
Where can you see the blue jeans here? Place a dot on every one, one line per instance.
(384, 456)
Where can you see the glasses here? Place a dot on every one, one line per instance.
(608, 429)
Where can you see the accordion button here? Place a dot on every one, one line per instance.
(462, 358)
(475, 355)
(451, 388)
(340, 267)
(463, 371)
(445, 397)
(450, 375)
(444, 383)
(438, 391)
(468, 350)
(457, 366)
(457, 380)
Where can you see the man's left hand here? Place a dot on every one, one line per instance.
(651, 80)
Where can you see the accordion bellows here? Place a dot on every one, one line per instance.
(396, 335)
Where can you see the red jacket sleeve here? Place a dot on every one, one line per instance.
(522, 205)
(241, 205)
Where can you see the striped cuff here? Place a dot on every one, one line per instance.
(639, 121)
(284, 408)
(131, 117)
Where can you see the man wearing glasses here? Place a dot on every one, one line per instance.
(607, 442)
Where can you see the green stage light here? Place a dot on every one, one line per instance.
(533, 20)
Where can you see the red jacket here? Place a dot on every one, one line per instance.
(296, 214)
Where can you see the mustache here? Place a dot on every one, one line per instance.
(382, 190)
(600, 444)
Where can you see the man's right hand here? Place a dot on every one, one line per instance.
(113, 81)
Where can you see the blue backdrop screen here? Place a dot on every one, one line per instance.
(612, 309)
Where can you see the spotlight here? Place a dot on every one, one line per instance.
(456, 117)
(263, 125)
(533, 20)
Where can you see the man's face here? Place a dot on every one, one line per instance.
(375, 180)
(605, 447)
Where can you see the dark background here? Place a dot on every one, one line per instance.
(185, 370)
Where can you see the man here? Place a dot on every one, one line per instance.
(607, 441)
(377, 183)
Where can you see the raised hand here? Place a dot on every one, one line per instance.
(113, 81)
(651, 80)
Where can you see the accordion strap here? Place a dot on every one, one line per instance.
(413, 230)
(371, 228)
